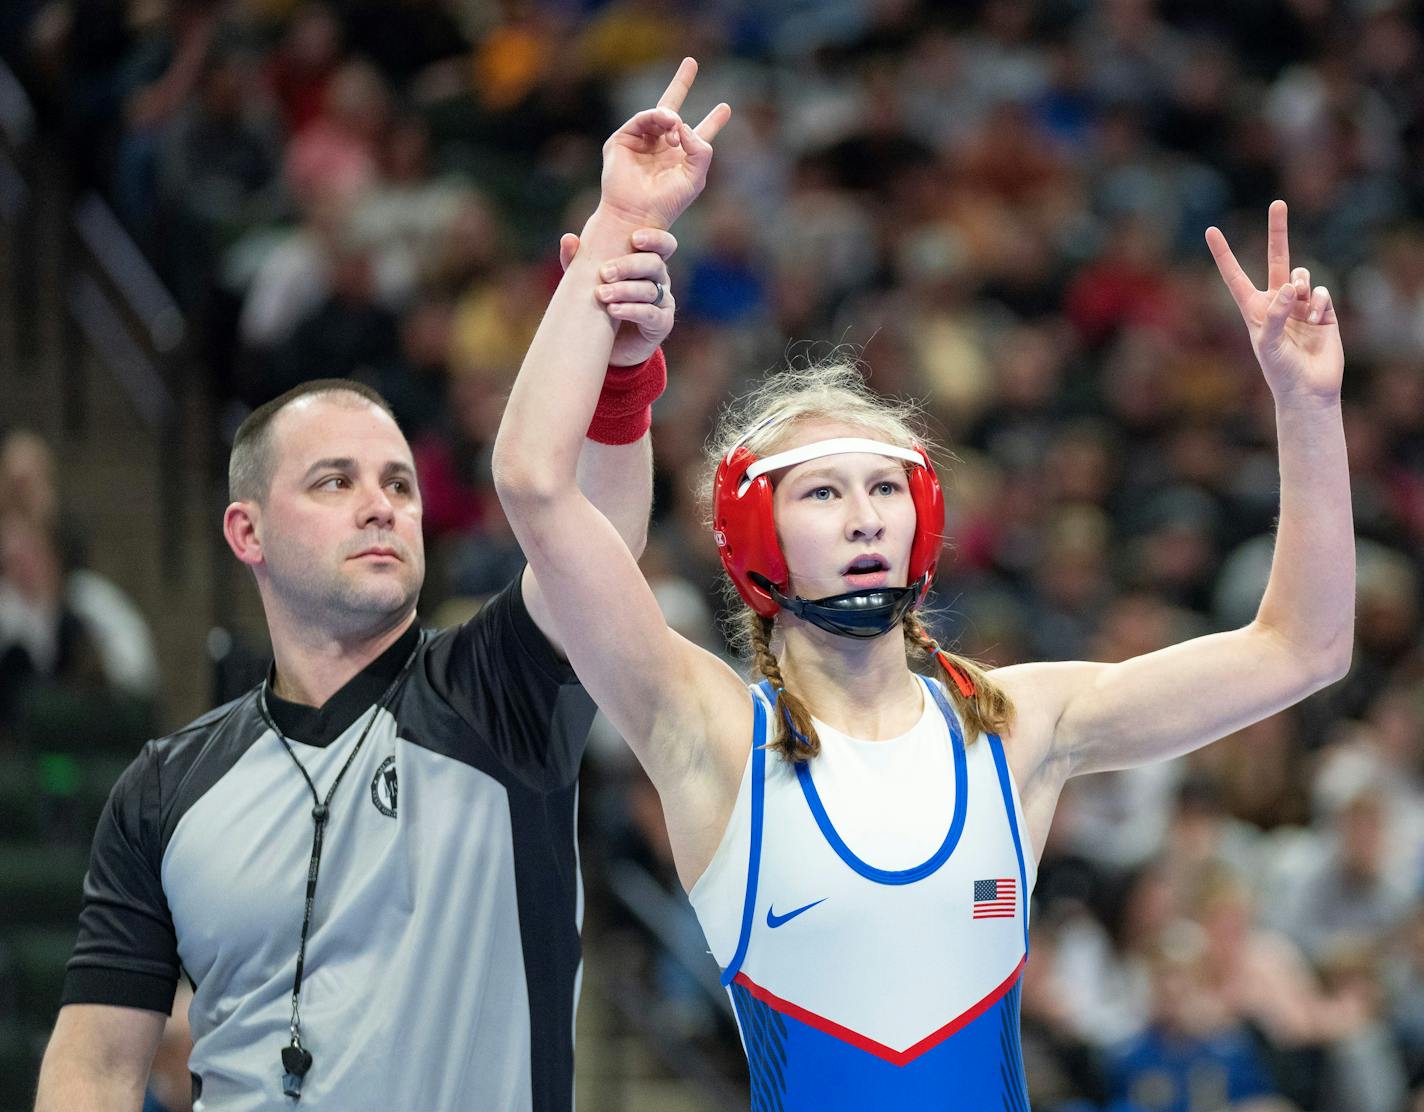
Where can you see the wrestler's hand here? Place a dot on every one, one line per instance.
(1293, 330)
(629, 290)
(655, 165)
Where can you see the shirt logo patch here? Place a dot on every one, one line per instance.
(774, 920)
(995, 899)
(383, 787)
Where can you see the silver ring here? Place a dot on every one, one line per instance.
(659, 299)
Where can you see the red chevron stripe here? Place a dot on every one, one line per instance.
(869, 1045)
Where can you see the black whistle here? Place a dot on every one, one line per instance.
(296, 1061)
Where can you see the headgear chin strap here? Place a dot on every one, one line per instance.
(861, 614)
(745, 532)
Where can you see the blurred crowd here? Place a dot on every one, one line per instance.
(74, 647)
(998, 207)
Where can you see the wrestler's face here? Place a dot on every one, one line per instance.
(845, 522)
(340, 528)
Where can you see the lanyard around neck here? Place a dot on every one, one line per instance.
(297, 1059)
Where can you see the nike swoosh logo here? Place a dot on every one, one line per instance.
(774, 920)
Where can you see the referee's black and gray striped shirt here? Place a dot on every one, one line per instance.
(443, 963)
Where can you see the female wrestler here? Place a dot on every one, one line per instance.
(859, 842)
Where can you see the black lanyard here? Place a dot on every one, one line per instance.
(296, 1058)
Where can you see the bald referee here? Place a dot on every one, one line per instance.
(366, 865)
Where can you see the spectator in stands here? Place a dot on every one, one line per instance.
(404, 216)
(1101, 957)
(41, 639)
(162, 75)
(301, 66)
(1194, 1054)
(1325, 1044)
(339, 151)
(1357, 893)
(1405, 981)
(217, 171)
(60, 621)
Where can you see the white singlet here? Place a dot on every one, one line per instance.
(869, 911)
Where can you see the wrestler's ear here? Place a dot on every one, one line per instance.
(242, 531)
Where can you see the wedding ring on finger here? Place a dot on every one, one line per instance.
(658, 287)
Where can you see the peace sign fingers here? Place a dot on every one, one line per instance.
(713, 122)
(1293, 328)
(1277, 247)
(1249, 299)
(655, 165)
(1241, 287)
(679, 86)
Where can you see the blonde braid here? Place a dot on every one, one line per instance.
(986, 709)
(790, 746)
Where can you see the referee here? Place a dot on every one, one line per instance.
(366, 866)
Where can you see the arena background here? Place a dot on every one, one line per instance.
(997, 206)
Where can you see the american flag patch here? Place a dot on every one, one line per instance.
(995, 899)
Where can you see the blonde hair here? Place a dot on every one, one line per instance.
(834, 390)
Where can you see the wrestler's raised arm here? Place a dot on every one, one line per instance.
(682, 710)
(1081, 717)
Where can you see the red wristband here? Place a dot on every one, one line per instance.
(625, 408)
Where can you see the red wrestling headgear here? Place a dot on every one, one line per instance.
(745, 531)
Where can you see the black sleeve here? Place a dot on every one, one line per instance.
(501, 675)
(126, 952)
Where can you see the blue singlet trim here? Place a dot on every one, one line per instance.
(754, 864)
(956, 826)
(1002, 766)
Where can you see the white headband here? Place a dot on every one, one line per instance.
(841, 445)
